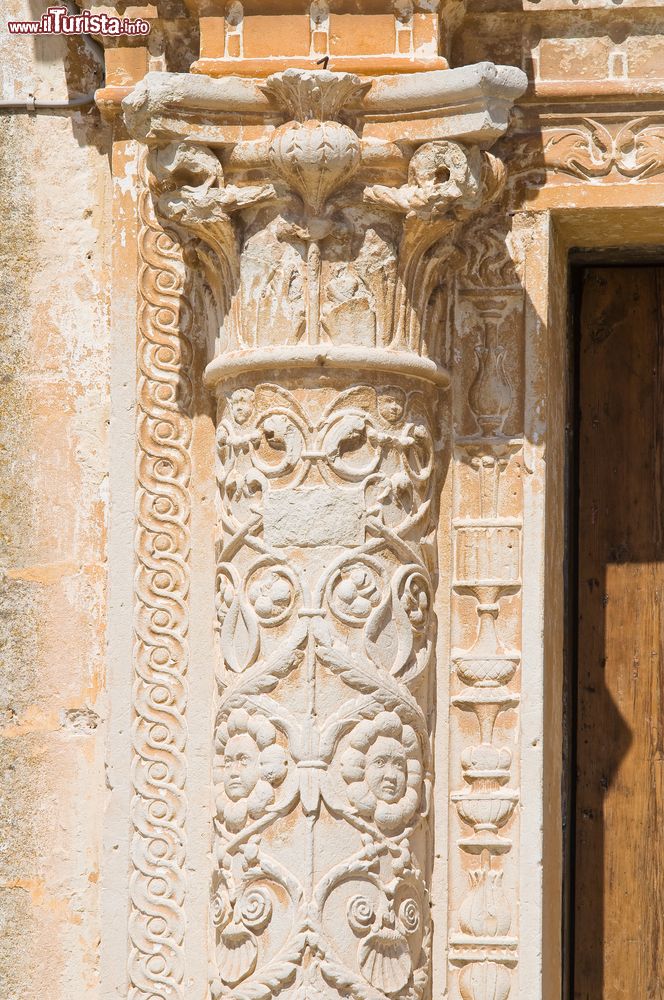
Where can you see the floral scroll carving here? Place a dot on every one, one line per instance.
(610, 146)
(351, 745)
(594, 149)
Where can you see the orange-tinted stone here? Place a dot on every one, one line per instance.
(574, 58)
(125, 66)
(213, 37)
(425, 34)
(645, 56)
(362, 34)
(282, 35)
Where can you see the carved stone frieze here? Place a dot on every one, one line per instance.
(324, 600)
(613, 147)
(588, 149)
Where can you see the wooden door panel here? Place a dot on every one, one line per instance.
(619, 813)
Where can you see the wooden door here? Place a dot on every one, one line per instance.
(618, 858)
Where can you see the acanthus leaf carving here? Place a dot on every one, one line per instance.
(315, 96)
(310, 202)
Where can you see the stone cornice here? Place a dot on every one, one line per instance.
(470, 104)
(576, 93)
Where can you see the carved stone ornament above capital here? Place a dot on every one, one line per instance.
(321, 95)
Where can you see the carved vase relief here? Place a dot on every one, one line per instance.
(486, 587)
(329, 374)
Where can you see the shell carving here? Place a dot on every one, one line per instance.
(237, 954)
(315, 158)
(385, 960)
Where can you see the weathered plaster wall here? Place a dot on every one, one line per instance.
(54, 414)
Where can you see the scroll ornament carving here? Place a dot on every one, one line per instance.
(595, 149)
(156, 959)
(445, 181)
(612, 146)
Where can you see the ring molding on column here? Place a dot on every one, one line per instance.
(326, 356)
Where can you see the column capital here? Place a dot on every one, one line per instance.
(327, 238)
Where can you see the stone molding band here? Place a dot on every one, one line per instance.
(322, 357)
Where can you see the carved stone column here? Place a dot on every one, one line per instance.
(323, 250)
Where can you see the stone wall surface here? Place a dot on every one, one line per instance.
(283, 430)
(54, 184)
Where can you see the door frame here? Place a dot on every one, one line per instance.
(608, 229)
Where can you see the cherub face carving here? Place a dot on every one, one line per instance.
(386, 771)
(252, 766)
(241, 768)
(391, 403)
(242, 405)
(383, 771)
